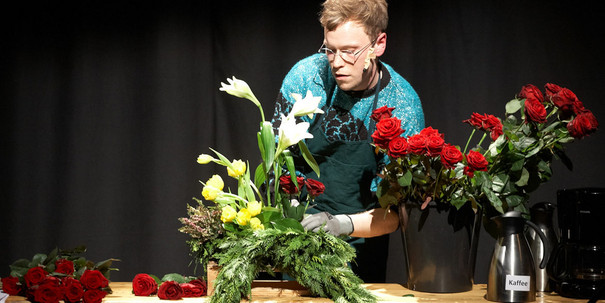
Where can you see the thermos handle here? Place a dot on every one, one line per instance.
(544, 242)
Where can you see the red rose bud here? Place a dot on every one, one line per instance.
(382, 113)
(450, 156)
(93, 279)
(287, 186)
(583, 125)
(72, 290)
(531, 91)
(434, 145)
(64, 266)
(389, 128)
(551, 89)
(476, 120)
(417, 144)
(475, 162)
(170, 290)
(191, 290)
(535, 111)
(567, 102)
(398, 147)
(144, 285)
(49, 291)
(35, 276)
(93, 296)
(10, 285)
(314, 187)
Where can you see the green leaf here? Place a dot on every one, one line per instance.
(405, 180)
(513, 106)
(174, 277)
(289, 160)
(308, 157)
(287, 223)
(523, 179)
(259, 175)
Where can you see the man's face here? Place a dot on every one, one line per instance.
(349, 36)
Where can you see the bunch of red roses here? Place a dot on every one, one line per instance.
(422, 167)
(39, 285)
(147, 285)
(502, 175)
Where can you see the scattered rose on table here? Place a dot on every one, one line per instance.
(171, 286)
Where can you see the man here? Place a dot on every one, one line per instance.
(352, 82)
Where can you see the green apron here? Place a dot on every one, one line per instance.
(347, 169)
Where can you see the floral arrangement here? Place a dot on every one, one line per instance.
(257, 227)
(501, 175)
(59, 275)
(171, 286)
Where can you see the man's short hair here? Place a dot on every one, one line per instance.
(372, 14)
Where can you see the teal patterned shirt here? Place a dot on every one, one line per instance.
(348, 116)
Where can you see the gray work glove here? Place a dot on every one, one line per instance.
(337, 225)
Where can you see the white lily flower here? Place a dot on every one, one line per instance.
(306, 106)
(239, 88)
(291, 133)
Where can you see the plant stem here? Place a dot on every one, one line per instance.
(469, 140)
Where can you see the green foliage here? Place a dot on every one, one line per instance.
(318, 261)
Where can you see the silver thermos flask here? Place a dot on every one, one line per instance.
(512, 273)
(542, 215)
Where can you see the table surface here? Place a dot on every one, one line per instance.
(122, 293)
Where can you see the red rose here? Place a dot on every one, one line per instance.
(531, 91)
(191, 290)
(314, 187)
(582, 125)
(398, 147)
(417, 144)
(382, 113)
(567, 102)
(535, 111)
(476, 120)
(434, 145)
(93, 279)
(35, 276)
(48, 291)
(170, 290)
(10, 285)
(287, 186)
(94, 296)
(64, 266)
(551, 89)
(386, 130)
(475, 162)
(144, 285)
(430, 131)
(72, 290)
(450, 156)
(201, 284)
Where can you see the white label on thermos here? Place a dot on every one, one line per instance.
(520, 283)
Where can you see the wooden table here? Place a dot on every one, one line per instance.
(122, 293)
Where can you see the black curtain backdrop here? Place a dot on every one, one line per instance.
(106, 106)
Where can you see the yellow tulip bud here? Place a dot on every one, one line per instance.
(216, 181)
(239, 168)
(210, 193)
(242, 217)
(204, 159)
(255, 224)
(254, 207)
(228, 214)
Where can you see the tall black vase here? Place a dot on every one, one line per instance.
(440, 243)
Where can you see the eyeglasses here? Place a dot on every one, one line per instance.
(348, 56)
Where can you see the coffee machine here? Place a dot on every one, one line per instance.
(577, 264)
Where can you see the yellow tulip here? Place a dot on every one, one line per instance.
(239, 168)
(254, 207)
(255, 224)
(210, 193)
(243, 217)
(228, 214)
(204, 159)
(216, 181)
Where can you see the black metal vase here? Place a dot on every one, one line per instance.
(440, 243)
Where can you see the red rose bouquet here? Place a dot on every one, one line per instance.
(61, 275)
(499, 172)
